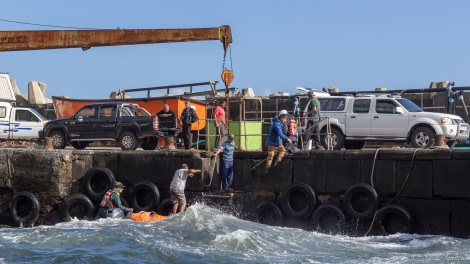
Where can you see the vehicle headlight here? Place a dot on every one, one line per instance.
(446, 121)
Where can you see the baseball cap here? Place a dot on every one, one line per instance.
(231, 136)
(119, 185)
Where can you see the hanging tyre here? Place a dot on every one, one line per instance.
(298, 200)
(98, 180)
(360, 200)
(165, 207)
(24, 208)
(269, 213)
(77, 206)
(145, 196)
(328, 219)
(392, 219)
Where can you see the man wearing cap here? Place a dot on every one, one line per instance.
(188, 117)
(112, 199)
(313, 117)
(274, 141)
(220, 124)
(226, 166)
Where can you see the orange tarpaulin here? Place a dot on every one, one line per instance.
(144, 216)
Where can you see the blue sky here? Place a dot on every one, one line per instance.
(277, 45)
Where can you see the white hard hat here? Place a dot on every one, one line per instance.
(283, 112)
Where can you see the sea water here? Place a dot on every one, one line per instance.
(206, 235)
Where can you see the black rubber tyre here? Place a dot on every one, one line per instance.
(58, 139)
(298, 200)
(392, 219)
(77, 205)
(80, 144)
(328, 219)
(269, 213)
(24, 208)
(422, 137)
(165, 207)
(98, 180)
(128, 140)
(145, 196)
(149, 143)
(337, 139)
(354, 144)
(360, 200)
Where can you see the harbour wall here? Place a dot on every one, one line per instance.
(432, 184)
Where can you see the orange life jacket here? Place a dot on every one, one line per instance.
(292, 127)
(106, 203)
(144, 216)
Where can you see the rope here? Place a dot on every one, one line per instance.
(399, 192)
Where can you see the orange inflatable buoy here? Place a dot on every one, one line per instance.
(144, 216)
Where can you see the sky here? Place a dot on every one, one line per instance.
(277, 45)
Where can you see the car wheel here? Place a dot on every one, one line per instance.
(337, 139)
(422, 137)
(58, 139)
(128, 140)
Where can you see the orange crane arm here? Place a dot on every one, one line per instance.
(85, 39)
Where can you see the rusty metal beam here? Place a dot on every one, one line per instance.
(85, 39)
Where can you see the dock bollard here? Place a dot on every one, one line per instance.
(440, 141)
(169, 142)
(48, 143)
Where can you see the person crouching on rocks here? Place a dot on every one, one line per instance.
(112, 199)
(274, 141)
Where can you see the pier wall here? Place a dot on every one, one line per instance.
(432, 184)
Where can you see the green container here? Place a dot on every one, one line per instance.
(248, 135)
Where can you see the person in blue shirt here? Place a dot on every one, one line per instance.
(274, 141)
(226, 166)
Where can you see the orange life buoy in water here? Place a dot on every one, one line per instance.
(144, 216)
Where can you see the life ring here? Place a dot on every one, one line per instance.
(165, 207)
(392, 219)
(25, 208)
(328, 218)
(360, 200)
(77, 205)
(98, 180)
(269, 213)
(145, 196)
(298, 200)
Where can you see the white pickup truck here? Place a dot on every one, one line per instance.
(354, 120)
(20, 122)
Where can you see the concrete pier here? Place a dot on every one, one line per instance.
(432, 184)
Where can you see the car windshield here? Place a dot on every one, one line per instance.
(409, 105)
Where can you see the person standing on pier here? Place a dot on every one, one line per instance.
(188, 117)
(167, 123)
(226, 166)
(313, 117)
(220, 124)
(274, 141)
(112, 199)
(177, 186)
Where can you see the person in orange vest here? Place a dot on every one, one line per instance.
(289, 128)
(112, 199)
(177, 186)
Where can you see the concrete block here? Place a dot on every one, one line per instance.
(311, 172)
(449, 177)
(384, 177)
(418, 180)
(341, 174)
(460, 214)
